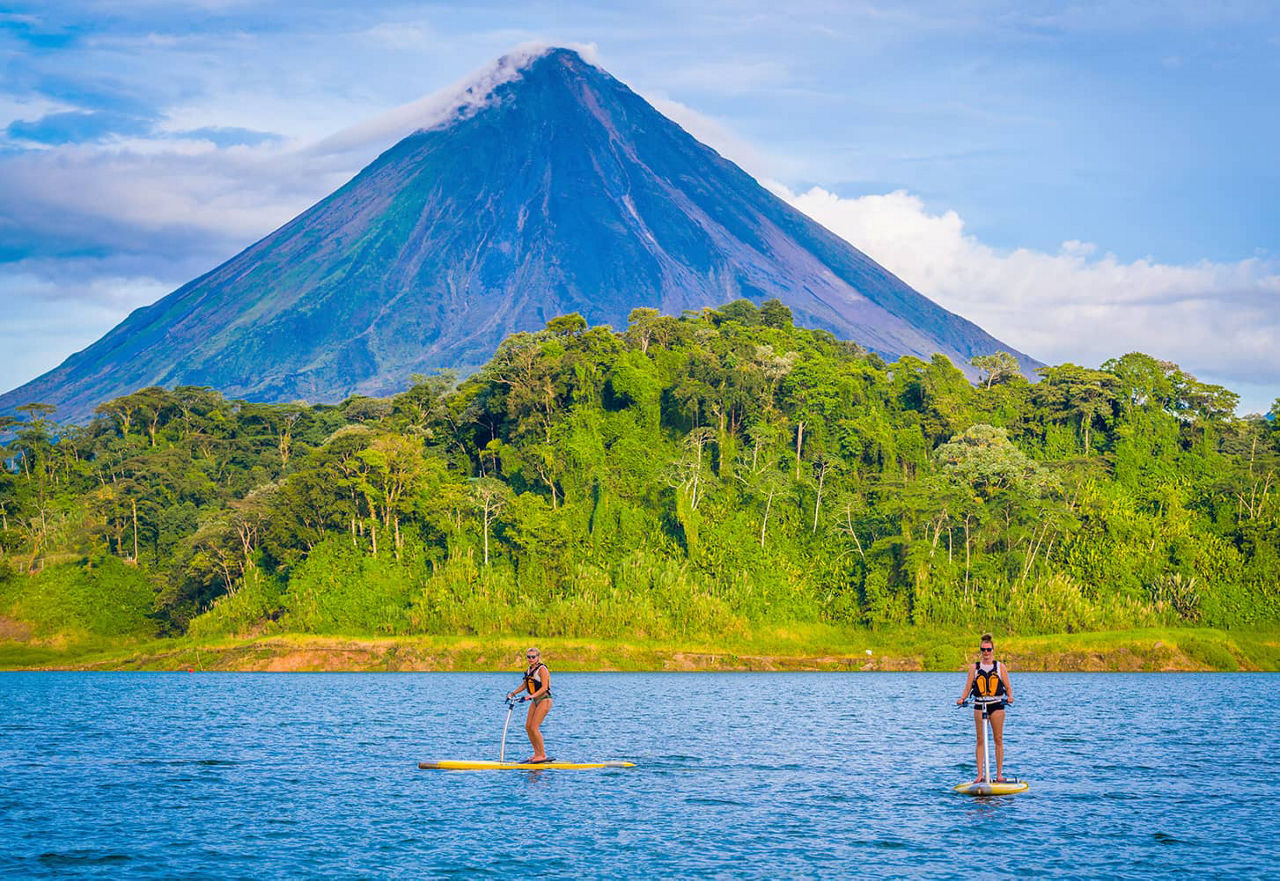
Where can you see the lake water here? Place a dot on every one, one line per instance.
(740, 775)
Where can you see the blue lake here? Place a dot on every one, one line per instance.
(740, 775)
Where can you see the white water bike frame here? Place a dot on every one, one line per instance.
(985, 770)
(502, 753)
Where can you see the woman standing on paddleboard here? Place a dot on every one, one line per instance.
(990, 687)
(537, 688)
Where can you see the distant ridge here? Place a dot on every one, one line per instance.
(545, 187)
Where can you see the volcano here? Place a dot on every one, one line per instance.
(549, 187)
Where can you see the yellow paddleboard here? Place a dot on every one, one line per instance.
(1010, 787)
(519, 766)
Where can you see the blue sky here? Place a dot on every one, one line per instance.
(1081, 179)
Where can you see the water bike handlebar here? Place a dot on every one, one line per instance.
(964, 703)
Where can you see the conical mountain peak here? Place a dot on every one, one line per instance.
(461, 100)
(500, 79)
(539, 187)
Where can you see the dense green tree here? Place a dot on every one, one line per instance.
(998, 367)
(689, 475)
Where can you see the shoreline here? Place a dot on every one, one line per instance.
(812, 649)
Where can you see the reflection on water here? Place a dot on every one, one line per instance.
(756, 775)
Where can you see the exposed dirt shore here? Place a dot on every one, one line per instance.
(1146, 651)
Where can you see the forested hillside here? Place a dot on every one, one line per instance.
(691, 476)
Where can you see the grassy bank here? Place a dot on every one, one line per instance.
(797, 648)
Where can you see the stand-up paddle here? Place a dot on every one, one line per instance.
(984, 785)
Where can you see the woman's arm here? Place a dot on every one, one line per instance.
(1008, 683)
(968, 686)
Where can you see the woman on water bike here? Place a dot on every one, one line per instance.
(990, 687)
(537, 688)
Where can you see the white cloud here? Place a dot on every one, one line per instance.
(139, 195)
(1220, 321)
(14, 108)
(244, 108)
(467, 96)
(48, 318)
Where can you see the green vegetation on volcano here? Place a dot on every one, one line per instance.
(692, 480)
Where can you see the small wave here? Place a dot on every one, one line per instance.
(82, 858)
(707, 800)
(891, 844)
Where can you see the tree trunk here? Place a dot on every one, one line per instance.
(817, 503)
(765, 522)
(799, 446)
(966, 556)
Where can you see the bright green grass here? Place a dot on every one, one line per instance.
(806, 646)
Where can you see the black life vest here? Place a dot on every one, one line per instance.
(532, 681)
(988, 685)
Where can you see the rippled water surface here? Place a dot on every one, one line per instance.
(740, 775)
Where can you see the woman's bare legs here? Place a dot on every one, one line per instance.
(532, 724)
